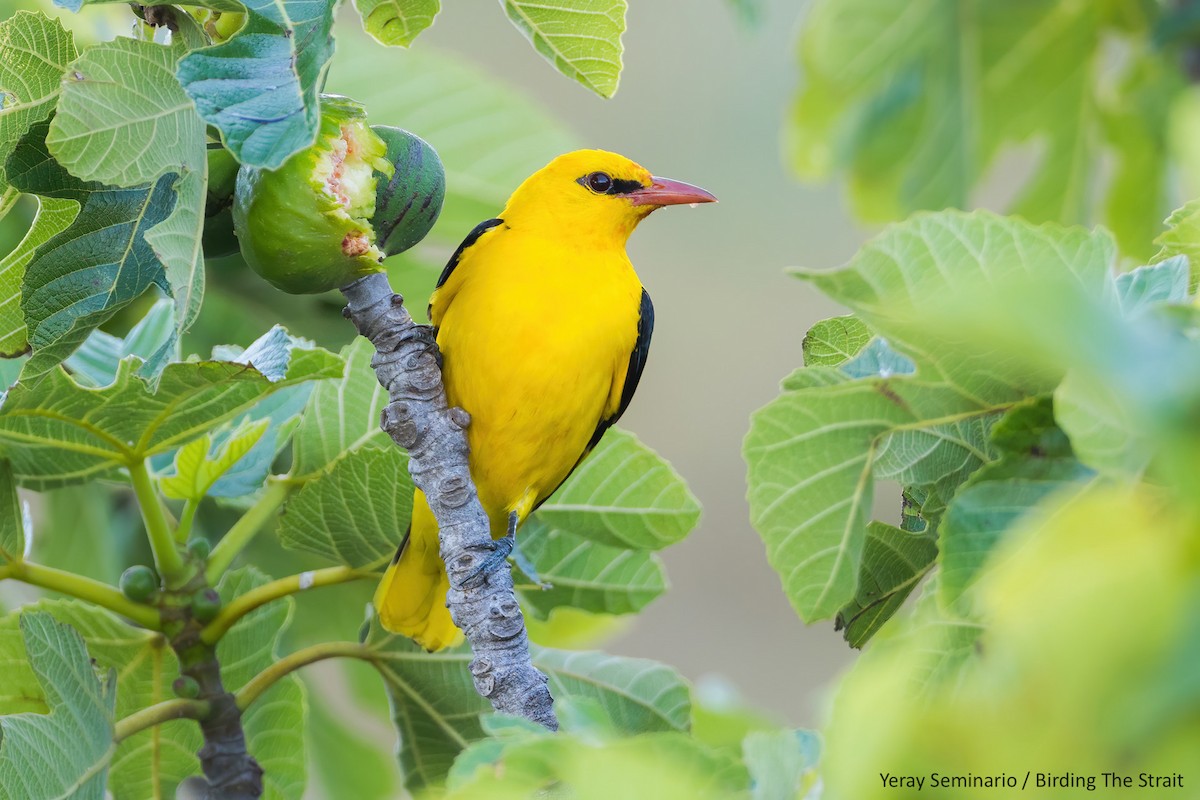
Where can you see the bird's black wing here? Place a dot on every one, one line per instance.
(472, 238)
(637, 362)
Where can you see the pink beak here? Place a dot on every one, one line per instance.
(666, 192)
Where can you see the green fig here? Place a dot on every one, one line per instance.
(138, 583)
(199, 548)
(219, 239)
(186, 686)
(206, 604)
(407, 205)
(306, 227)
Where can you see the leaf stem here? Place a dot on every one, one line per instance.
(157, 714)
(243, 604)
(162, 542)
(236, 539)
(294, 661)
(184, 529)
(82, 588)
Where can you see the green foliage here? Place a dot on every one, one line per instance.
(397, 22)
(916, 103)
(66, 752)
(582, 38)
(58, 431)
(260, 87)
(13, 537)
(438, 713)
(34, 54)
(113, 144)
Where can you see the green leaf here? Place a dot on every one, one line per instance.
(586, 575)
(813, 455)
(59, 431)
(782, 764)
(437, 711)
(84, 274)
(396, 22)
(623, 495)
(13, 538)
(665, 766)
(443, 98)
(582, 38)
(988, 505)
(356, 513)
(892, 283)
(915, 103)
(1182, 238)
(834, 341)
(341, 416)
(98, 359)
(893, 562)
(198, 465)
(65, 753)
(149, 763)
(1146, 287)
(274, 724)
(260, 87)
(123, 119)
(34, 54)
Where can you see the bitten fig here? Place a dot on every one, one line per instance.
(306, 227)
(138, 583)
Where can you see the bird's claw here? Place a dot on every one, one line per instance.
(525, 565)
(500, 551)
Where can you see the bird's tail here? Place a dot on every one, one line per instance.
(411, 598)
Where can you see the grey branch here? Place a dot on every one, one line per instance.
(406, 363)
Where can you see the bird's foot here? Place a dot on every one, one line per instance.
(501, 548)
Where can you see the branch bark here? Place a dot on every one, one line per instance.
(418, 419)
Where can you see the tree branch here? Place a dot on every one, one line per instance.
(82, 588)
(243, 604)
(167, 560)
(158, 714)
(294, 661)
(417, 419)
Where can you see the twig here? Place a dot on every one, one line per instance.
(294, 661)
(243, 604)
(82, 588)
(417, 419)
(158, 714)
(162, 542)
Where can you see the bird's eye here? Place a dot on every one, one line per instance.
(599, 182)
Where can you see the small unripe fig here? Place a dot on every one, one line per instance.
(199, 548)
(206, 603)
(306, 227)
(138, 583)
(186, 686)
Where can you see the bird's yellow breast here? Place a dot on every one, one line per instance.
(536, 336)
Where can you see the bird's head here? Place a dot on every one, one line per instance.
(594, 194)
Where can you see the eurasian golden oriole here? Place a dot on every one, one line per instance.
(544, 329)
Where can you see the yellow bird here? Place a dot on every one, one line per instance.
(544, 329)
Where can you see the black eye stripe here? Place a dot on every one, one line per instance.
(603, 183)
